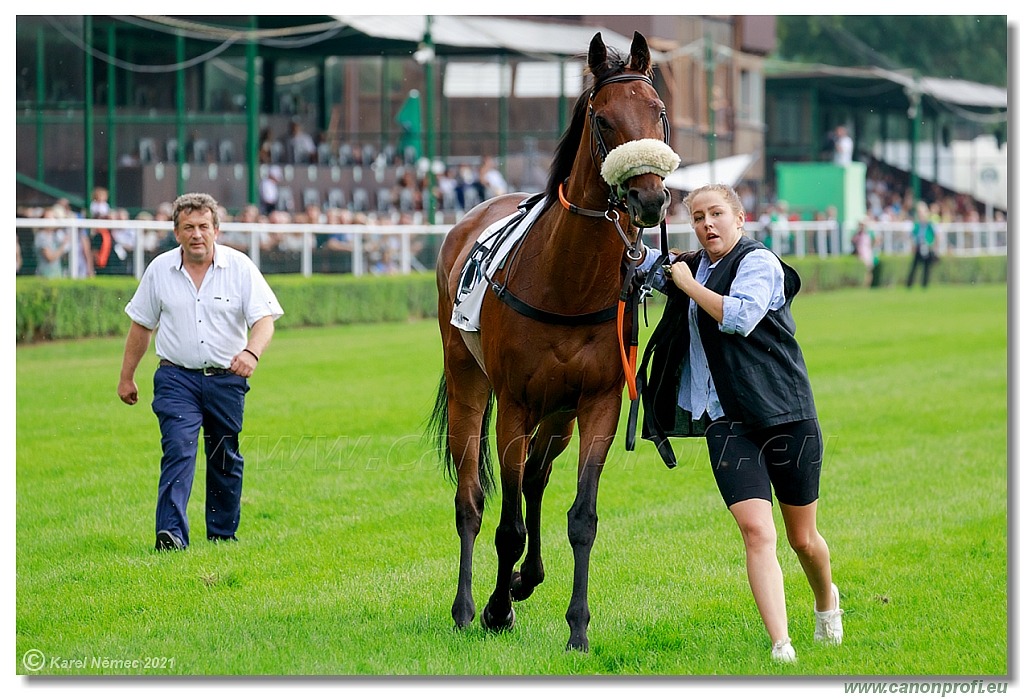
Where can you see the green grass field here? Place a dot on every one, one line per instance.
(348, 552)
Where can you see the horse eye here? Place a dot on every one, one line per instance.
(602, 123)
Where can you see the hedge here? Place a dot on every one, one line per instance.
(59, 309)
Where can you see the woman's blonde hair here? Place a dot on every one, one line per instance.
(727, 192)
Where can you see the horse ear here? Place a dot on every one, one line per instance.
(640, 54)
(598, 55)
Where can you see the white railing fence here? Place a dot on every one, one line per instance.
(360, 249)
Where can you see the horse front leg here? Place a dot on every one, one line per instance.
(597, 430)
(551, 439)
(510, 534)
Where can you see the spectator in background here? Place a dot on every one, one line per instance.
(301, 146)
(124, 240)
(843, 149)
(240, 240)
(492, 181)
(469, 188)
(101, 247)
(407, 194)
(81, 267)
(446, 192)
(313, 214)
(747, 197)
(266, 154)
(148, 238)
(112, 247)
(166, 238)
(337, 240)
(864, 248)
(101, 242)
(275, 241)
(923, 237)
(99, 206)
(51, 245)
(270, 189)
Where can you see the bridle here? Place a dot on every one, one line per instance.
(615, 192)
(631, 294)
(598, 153)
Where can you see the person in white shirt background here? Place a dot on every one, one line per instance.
(843, 153)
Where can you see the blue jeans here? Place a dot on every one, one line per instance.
(185, 401)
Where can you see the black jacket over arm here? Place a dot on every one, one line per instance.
(761, 379)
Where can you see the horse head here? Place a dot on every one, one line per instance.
(629, 129)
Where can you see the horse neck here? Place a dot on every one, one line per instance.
(585, 187)
(584, 252)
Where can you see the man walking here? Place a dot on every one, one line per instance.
(215, 314)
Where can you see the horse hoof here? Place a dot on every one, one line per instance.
(462, 623)
(519, 589)
(463, 614)
(491, 624)
(580, 644)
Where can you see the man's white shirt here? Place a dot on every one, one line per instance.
(205, 327)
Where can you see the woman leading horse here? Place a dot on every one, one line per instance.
(548, 349)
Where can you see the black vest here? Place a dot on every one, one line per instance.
(761, 379)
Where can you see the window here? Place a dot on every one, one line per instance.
(225, 82)
(477, 80)
(750, 107)
(535, 79)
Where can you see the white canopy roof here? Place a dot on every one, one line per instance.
(720, 171)
(486, 32)
(948, 90)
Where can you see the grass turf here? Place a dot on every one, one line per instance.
(348, 555)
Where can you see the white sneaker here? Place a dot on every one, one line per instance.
(828, 625)
(783, 652)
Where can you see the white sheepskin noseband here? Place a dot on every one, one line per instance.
(638, 158)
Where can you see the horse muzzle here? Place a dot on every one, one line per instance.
(647, 207)
(640, 167)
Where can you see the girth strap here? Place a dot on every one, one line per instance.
(523, 308)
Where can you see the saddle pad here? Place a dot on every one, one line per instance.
(488, 254)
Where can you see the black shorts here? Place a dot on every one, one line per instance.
(787, 457)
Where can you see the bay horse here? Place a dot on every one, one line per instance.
(552, 358)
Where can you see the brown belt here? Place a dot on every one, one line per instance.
(205, 371)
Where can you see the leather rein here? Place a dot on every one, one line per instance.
(630, 295)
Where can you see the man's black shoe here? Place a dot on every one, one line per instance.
(219, 537)
(166, 541)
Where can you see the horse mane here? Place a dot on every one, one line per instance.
(569, 143)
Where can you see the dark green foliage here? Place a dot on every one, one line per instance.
(64, 309)
(968, 47)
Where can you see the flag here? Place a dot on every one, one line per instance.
(410, 120)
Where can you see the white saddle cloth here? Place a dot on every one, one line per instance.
(487, 256)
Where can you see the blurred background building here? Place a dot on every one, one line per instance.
(354, 110)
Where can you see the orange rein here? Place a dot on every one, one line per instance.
(628, 363)
(628, 360)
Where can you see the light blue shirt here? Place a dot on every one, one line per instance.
(757, 289)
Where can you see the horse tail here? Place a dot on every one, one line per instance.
(486, 468)
(438, 428)
(437, 425)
